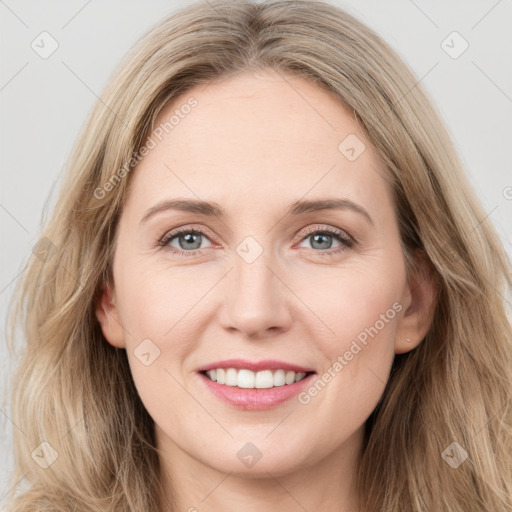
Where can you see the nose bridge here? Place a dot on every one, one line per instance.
(255, 300)
(252, 273)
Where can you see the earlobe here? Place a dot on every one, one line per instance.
(422, 299)
(108, 316)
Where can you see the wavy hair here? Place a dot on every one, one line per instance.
(75, 391)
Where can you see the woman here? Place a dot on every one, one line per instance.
(335, 333)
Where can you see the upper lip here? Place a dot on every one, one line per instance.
(255, 366)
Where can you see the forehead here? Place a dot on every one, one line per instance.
(258, 137)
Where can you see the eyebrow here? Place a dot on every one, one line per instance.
(212, 209)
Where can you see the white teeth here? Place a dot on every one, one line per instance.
(231, 377)
(290, 377)
(279, 378)
(299, 376)
(245, 379)
(248, 379)
(264, 380)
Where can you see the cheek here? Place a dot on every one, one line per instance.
(350, 301)
(161, 310)
(158, 301)
(358, 357)
(361, 307)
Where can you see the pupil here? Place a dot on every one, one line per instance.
(189, 239)
(319, 237)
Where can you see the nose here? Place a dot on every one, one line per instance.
(256, 299)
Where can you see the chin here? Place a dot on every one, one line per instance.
(257, 460)
(259, 469)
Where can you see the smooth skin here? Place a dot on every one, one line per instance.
(255, 144)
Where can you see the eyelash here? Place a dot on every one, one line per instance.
(346, 240)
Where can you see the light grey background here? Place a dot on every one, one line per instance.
(44, 102)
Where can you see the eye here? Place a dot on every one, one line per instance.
(186, 241)
(321, 240)
(189, 242)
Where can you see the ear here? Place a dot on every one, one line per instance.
(108, 316)
(419, 301)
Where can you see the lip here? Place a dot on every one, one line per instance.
(255, 399)
(268, 364)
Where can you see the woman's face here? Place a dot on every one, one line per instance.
(263, 275)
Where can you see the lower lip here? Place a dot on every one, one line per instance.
(255, 399)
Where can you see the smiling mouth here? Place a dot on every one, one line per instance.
(247, 379)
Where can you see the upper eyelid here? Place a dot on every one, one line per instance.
(185, 229)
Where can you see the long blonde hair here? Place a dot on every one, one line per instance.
(74, 390)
